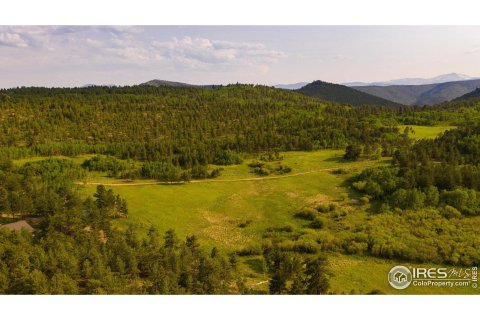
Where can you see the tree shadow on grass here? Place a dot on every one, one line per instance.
(338, 159)
(256, 264)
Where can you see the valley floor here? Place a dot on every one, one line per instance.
(232, 212)
(214, 210)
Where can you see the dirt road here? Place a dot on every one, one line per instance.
(210, 180)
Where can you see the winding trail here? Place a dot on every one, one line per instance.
(126, 184)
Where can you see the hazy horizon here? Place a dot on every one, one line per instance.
(69, 56)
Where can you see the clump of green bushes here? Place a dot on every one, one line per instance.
(264, 169)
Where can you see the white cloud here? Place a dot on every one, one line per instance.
(12, 40)
(202, 52)
(77, 50)
(126, 45)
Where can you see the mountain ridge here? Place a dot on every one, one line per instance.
(449, 77)
(342, 94)
(422, 94)
(474, 94)
(291, 86)
(175, 84)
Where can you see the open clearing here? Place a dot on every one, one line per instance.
(214, 209)
(424, 132)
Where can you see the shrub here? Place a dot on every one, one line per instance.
(327, 207)
(282, 169)
(317, 223)
(359, 185)
(432, 196)
(327, 241)
(199, 172)
(215, 173)
(408, 199)
(108, 164)
(286, 245)
(339, 171)
(286, 228)
(364, 200)
(450, 212)
(352, 152)
(464, 200)
(160, 170)
(261, 171)
(385, 207)
(377, 182)
(256, 164)
(306, 214)
(227, 157)
(355, 247)
(244, 224)
(305, 246)
(252, 250)
(271, 156)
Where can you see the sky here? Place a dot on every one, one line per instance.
(128, 55)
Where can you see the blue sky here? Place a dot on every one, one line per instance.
(122, 55)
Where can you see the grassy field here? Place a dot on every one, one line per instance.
(78, 159)
(424, 132)
(361, 275)
(213, 209)
(350, 274)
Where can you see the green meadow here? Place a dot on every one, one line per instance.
(426, 132)
(352, 274)
(213, 209)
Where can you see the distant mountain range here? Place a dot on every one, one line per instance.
(88, 85)
(342, 94)
(422, 94)
(470, 95)
(450, 77)
(292, 86)
(385, 95)
(166, 83)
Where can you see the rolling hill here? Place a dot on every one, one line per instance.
(343, 94)
(449, 77)
(166, 83)
(470, 95)
(173, 84)
(422, 94)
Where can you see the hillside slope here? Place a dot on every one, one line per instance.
(166, 83)
(450, 77)
(173, 84)
(422, 94)
(470, 95)
(343, 94)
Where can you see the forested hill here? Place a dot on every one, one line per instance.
(185, 126)
(173, 84)
(471, 95)
(428, 94)
(343, 94)
(166, 83)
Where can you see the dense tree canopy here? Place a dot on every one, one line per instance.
(177, 133)
(184, 126)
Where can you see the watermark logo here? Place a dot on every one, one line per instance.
(400, 277)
